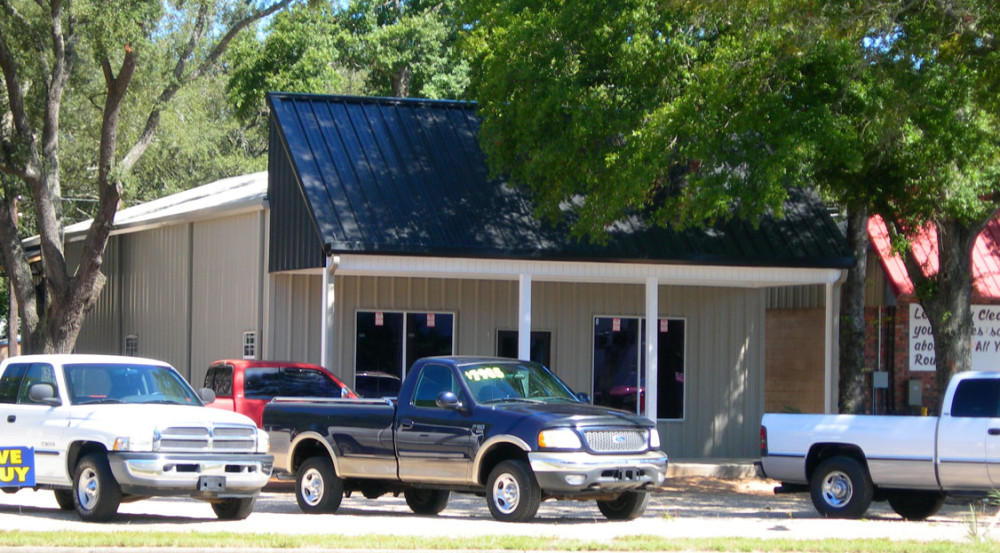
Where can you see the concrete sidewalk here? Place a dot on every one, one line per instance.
(728, 469)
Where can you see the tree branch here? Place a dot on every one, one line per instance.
(153, 120)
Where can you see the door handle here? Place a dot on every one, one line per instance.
(405, 424)
(11, 418)
(993, 431)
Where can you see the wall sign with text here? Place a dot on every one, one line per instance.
(985, 339)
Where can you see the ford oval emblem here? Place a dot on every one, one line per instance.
(618, 439)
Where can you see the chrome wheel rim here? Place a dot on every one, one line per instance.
(311, 489)
(837, 489)
(87, 489)
(506, 494)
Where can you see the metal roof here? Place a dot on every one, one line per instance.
(229, 195)
(985, 258)
(407, 177)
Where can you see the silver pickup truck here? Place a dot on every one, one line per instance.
(100, 430)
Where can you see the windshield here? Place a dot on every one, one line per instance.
(91, 383)
(514, 381)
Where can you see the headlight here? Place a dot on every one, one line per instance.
(560, 438)
(654, 439)
(263, 441)
(137, 443)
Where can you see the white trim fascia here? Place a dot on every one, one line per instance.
(581, 271)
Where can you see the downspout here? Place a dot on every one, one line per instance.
(831, 352)
(329, 304)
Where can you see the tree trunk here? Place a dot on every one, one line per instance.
(947, 300)
(852, 316)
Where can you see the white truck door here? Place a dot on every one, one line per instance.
(26, 423)
(969, 437)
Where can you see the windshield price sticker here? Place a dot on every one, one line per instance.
(17, 466)
(484, 373)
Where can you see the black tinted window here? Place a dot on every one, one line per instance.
(433, 380)
(39, 373)
(977, 398)
(220, 380)
(308, 382)
(262, 383)
(10, 382)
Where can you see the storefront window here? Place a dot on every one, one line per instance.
(619, 362)
(386, 338)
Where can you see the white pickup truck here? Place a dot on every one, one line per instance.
(102, 430)
(848, 461)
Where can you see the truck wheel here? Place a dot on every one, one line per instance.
(628, 506)
(841, 488)
(317, 488)
(65, 499)
(427, 502)
(96, 493)
(237, 508)
(914, 504)
(513, 494)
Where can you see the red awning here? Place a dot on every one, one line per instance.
(985, 258)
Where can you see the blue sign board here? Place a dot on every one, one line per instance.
(17, 467)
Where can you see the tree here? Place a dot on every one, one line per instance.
(397, 48)
(43, 46)
(689, 112)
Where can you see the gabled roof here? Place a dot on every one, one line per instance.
(985, 258)
(407, 177)
(229, 195)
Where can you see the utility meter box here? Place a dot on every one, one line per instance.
(880, 379)
(916, 392)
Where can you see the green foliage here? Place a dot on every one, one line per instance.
(366, 47)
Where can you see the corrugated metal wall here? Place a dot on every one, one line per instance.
(155, 293)
(228, 265)
(101, 330)
(187, 291)
(724, 351)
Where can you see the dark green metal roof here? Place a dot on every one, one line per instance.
(407, 177)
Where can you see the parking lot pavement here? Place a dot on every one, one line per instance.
(686, 507)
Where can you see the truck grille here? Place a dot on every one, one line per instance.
(228, 438)
(622, 440)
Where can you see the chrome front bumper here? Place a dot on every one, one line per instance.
(581, 472)
(205, 476)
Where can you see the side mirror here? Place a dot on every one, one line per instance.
(43, 393)
(207, 395)
(448, 400)
(583, 397)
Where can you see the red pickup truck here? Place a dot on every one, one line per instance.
(246, 385)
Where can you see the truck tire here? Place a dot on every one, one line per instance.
(426, 502)
(915, 504)
(841, 488)
(237, 508)
(628, 506)
(512, 492)
(65, 499)
(318, 490)
(96, 493)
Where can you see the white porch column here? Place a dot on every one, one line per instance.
(831, 349)
(524, 317)
(652, 344)
(327, 322)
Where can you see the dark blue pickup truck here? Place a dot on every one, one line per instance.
(506, 429)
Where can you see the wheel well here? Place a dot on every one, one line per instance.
(79, 449)
(496, 455)
(821, 452)
(306, 449)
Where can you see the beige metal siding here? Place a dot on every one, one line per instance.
(100, 332)
(155, 295)
(227, 275)
(295, 312)
(797, 297)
